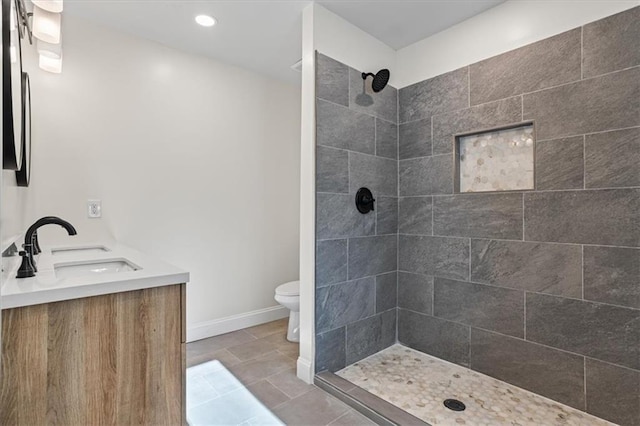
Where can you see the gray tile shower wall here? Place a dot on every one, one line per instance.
(356, 254)
(538, 288)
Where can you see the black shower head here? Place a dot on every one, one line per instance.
(380, 79)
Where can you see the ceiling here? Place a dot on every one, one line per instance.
(265, 35)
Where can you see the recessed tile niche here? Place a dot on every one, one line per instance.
(495, 160)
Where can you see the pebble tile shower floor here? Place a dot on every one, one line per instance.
(419, 384)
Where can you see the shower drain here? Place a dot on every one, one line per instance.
(454, 404)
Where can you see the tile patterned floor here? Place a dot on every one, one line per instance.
(248, 377)
(419, 383)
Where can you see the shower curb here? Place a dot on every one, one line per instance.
(374, 408)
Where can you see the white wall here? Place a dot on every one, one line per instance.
(12, 208)
(306, 358)
(196, 162)
(344, 42)
(505, 27)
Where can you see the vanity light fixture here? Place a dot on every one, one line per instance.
(46, 25)
(54, 6)
(206, 20)
(49, 50)
(53, 65)
(50, 56)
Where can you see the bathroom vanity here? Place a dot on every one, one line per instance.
(96, 337)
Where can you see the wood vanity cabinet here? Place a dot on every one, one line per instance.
(115, 359)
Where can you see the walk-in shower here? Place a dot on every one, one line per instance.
(496, 280)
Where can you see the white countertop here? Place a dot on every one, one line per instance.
(45, 287)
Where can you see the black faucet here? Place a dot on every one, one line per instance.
(31, 245)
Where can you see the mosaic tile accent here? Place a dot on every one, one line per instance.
(500, 160)
(419, 383)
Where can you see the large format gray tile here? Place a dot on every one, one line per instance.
(199, 390)
(611, 43)
(332, 80)
(605, 332)
(434, 336)
(285, 347)
(315, 407)
(217, 343)
(234, 408)
(446, 92)
(268, 394)
(370, 335)
(612, 275)
(439, 256)
(386, 139)
(538, 267)
(492, 308)
(605, 217)
(337, 217)
(196, 357)
(331, 262)
(479, 216)
(332, 170)
(267, 329)
(442, 174)
(288, 383)
(342, 304)
(593, 105)
(426, 175)
(376, 173)
(612, 158)
(372, 255)
(257, 369)
(386, 211)
(613, 392)
(340, 127)
(386, 291)
(250, 350)
(331, 352)
(546, 63)
(480, 117)
(385, 103)
(545, 371)
(560, 164)
(415, 139)
(414, 215)
(415, 292)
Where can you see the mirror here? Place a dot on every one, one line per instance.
(23, 175)
(11, 87)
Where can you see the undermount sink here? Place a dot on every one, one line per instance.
(108, 266)
(80, 250)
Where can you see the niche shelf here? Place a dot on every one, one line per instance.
(495, 160)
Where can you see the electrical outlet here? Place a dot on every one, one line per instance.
(94, 208)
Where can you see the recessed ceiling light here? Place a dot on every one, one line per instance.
(206, 20)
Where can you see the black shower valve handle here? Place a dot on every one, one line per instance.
(365, 201)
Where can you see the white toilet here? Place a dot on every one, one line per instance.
(288, 295)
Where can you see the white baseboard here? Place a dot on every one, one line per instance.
(235, 322)
(305, 370)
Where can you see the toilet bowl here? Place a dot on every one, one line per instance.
(288, 295)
